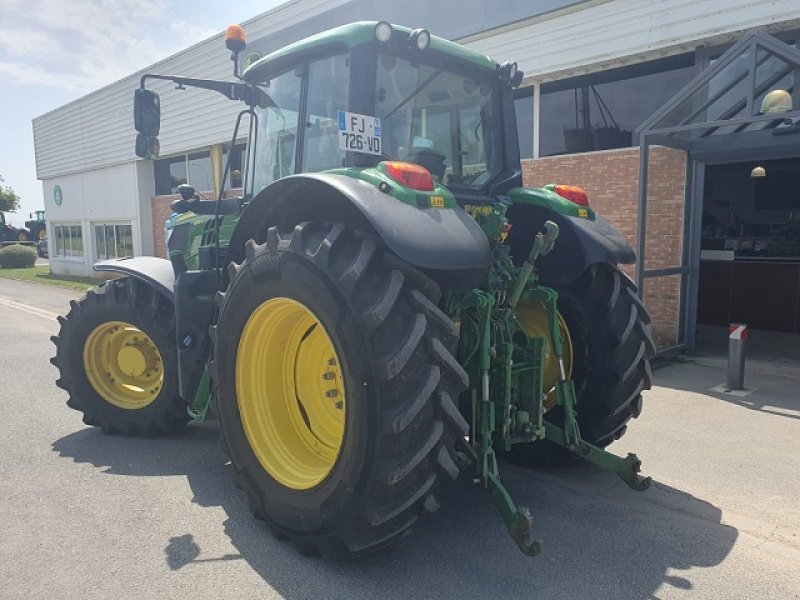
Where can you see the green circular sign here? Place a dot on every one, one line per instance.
(57, 198)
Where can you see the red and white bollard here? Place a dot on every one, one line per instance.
(737, 338)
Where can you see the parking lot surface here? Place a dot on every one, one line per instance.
(86, 515)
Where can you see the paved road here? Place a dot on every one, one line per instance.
(84, 515)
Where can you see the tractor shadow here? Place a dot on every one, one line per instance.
(599, 538)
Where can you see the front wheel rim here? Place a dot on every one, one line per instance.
(123, 365)
(290, 393)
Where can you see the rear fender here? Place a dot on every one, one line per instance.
(429, 239)
(581, 242)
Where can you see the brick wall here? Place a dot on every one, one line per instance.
(162, 212)
(611, 179)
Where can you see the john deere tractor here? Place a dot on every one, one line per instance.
(9, 233)
(37, 226)
(383, 307)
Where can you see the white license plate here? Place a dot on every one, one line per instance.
(359, 133)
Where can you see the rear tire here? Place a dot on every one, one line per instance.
(612, 346)
(401, 384)
(129, 301)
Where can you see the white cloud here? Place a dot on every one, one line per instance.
(80, 45)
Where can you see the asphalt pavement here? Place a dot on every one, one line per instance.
(86, 515)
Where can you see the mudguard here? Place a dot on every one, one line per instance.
(155, 271)
(581, 243)
(429, 239)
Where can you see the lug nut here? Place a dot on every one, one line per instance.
(331, 393)
(328, 375)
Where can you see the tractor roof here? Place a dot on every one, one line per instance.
(348, 36)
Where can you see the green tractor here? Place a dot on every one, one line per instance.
(9, 233)
(37, 226)
(384, 307)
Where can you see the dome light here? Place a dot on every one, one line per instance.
(777, 101)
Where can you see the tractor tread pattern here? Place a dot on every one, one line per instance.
(411, 343)
(621, 327)
(142, 303)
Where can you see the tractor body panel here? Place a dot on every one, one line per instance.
(427, 238)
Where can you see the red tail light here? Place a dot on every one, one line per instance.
(410, 175)
(573, 193)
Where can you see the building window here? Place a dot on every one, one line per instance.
(601, 111)
(194, 169)
(113, 241)
(69, 240)
(523, 107)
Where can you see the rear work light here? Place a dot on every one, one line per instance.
(573, 193)
(410, 175)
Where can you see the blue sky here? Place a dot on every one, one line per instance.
(53, 51)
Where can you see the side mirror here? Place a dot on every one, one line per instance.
(147, 112)
(147, 146)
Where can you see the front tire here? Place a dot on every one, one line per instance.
(117, 359)
(388, 350)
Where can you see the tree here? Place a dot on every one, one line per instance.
(9, 201)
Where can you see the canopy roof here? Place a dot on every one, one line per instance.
(726, 97)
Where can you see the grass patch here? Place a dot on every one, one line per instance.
(42, 274)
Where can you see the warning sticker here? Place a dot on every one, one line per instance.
(359, 133)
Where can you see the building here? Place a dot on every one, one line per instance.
(595, 73)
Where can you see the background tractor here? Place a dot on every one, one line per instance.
(36, 226)
(385, 305)
(9, 233)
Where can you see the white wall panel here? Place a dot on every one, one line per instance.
(606, 34)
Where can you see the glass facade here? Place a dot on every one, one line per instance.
(523, 106)
(602, 110)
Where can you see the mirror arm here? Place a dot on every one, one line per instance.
(229, 89)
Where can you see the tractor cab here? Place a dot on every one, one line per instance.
(380, 93)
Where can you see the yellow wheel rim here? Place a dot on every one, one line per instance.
(123, 365)
(42, 234)
(533, 318)
(290, 392)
